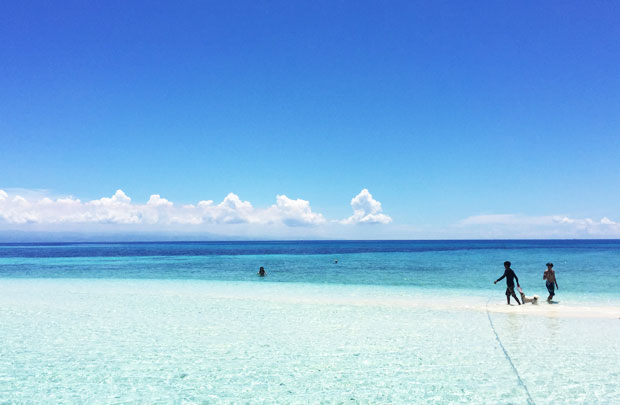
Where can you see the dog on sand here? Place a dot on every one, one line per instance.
(533, 299)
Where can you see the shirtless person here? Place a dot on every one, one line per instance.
(510, 282)
(549, 275)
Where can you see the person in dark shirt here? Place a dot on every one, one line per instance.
(510, 276)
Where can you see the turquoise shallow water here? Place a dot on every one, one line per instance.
(180, 341)
(586, 270)
(390, 323)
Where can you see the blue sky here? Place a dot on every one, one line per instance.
(461, 119)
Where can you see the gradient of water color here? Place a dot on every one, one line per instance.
(391, 322)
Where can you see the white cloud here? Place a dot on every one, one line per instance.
(607, 221)
(119, 209)
(230, 211)
(515, 226)
(295, 212)
(117, 199)
(563, 220)
(287, 217)
(156, 201)
(366, 210)
(513, 219)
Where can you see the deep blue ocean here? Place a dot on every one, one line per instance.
(585, 268)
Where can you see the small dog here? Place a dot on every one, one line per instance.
(533, 299)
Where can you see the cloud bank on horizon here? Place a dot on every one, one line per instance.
(24, 209)
(119, 209)
(544, 226)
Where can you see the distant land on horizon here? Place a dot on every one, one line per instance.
(78, 237)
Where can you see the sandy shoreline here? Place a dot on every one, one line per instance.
(329, 294)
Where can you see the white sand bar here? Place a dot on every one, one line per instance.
(124, 341)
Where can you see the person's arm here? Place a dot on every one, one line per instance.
(516, 278)
(556, 283)
(500, 279)
(545, 275)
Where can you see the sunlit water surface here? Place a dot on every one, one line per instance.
(389, 323)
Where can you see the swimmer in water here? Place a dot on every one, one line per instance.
(261, 272)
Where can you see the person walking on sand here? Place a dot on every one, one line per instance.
(549, 276)
(510, 276)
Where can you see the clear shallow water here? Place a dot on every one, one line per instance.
(392, 322)
(586, 270)
(174, 341)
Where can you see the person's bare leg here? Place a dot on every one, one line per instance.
(515, 297)
(508, 299)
